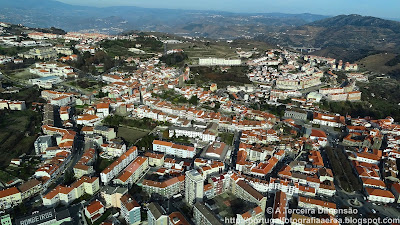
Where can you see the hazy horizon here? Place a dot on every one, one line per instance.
(362, 7)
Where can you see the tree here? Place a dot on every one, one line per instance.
(68, 177)
(194, 100)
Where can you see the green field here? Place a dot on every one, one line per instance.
(24, 74)
(218, 49)
(131, 134)
(232, 76)
(18, 132)
(227, 138)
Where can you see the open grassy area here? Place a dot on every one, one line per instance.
(144, 124)
(18, 132)
(130, 134)
(203, 50)
(378, 63)
(24, 74)
(227, 138)
(218, 49)
(233, 76)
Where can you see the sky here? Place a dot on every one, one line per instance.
(382, 8)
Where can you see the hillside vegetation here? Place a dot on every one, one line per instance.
(347, 37)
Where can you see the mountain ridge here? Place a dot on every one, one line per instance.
(41, 13)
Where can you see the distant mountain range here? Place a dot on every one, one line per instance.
(213, 24)
(347, 37)
(350, 37)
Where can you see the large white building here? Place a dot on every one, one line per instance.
(130, 210)
(170, 148)
(67, 194)
(219, 62)
(194, 187)
(42, 143)
(193, 132)
(118, 165)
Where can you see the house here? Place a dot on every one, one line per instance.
(155, 159)
(94, 210)
(319, 136)
(88, 120)
(103, 109)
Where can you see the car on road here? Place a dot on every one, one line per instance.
(373, 210)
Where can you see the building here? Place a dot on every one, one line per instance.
(176, 218)
(42, 143)
(12, 105)
(170, 148)
(156, 215)
(396, 191)
(10, 197)
(94, 210)
(252, 217)
(279, 213)
(296, 114)
(67, 194)
(133, 172)
(107, 132)
(118, 165)
(244, 191)
(204, 134)
(50, 216)
(85, 164)
(155, 159)
(194, 187)
(202, 215)
(30, 188)
(5, 220)
(112, 196)
(219, 62)
(379, 195)
(103, 109)
(167, 188)
(216, 150)
(321, 206)
(328, 120)
(130, 210)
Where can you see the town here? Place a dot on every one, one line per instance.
(134, 129)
